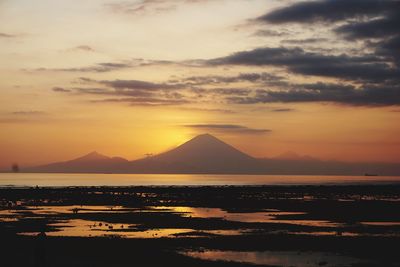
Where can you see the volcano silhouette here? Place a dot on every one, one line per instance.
(206, 154)
(202, 154)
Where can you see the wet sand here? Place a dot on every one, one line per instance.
(349, 225)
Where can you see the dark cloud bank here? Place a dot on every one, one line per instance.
(368, 77)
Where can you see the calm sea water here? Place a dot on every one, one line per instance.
(64, 179)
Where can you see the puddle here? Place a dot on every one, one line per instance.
(277, 258)
(73, 209)
(86, 227)
(78, 209)
(265, 216)
(153, 233)
(249, 217)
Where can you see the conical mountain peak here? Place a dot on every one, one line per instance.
(94, 155)
(204, 149)
(205, 138)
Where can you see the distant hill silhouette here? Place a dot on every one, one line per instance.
(92, 162)
(207, 154)
(290, 155)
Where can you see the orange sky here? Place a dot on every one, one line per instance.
(63, 65)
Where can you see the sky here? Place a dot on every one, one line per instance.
(128, 78)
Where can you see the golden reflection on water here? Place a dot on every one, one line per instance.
(90, 228)
(196, 212)
(87, 228)
(90, 179)
(79, 209)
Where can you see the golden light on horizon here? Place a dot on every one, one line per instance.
(129, 84)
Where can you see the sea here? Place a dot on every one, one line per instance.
(90, 179)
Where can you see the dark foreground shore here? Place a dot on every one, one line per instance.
(201, 226)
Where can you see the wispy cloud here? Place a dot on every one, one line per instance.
(140, 85)
(149, 7)
(60, 89)
(133, 92)
(82, 48)
(23, 116)
(212, 110)
(7, 35)
(305, 41)
(106, 66)
(263, 77)
(232, 128)
(282, 109)
(144, 101)
(270, 33)
(29, 113)
(99, 67)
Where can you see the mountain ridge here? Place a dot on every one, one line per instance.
(206, 154)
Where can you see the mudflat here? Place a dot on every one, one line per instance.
(349, 225)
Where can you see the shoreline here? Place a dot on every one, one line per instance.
(167, 224)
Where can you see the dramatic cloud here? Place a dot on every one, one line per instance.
(375, 74)
(390, 47)
(328, 10)
(366, 67)
(368, 75)
(228, 128)
(375, 28)
(368, 19)
(369, 96)
(147, 93)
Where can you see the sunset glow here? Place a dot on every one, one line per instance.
(130, 78)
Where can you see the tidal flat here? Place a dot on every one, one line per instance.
(314, 225)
